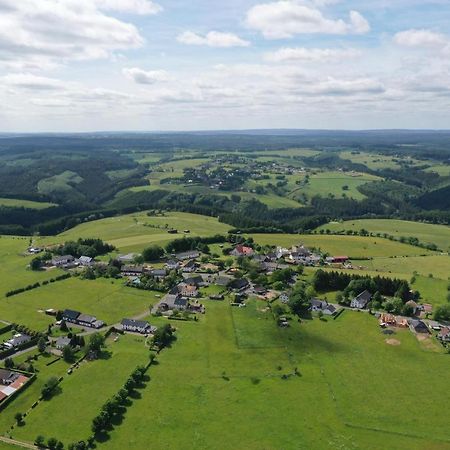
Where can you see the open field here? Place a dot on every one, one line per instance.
(426, 233)
(377, 161)
(18, 203)
(14, 272)
(68, 415)
(352, 246)
(133, 232)
(442, 169)
(339, 184)
(108, 300)
(323, 408)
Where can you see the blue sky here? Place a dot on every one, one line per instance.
(86, 65)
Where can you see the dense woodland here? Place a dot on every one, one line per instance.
(82, 175)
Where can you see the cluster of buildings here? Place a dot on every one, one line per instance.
(69, 261)
(82, 320)
(16, 341)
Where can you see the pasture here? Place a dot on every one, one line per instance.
(108, 300)
(19, 203)
(133, 232)
(352, 246)
(427, 233)
(219, 400)
(68, 415)
(14, 272)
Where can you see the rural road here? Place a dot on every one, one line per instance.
(17, 443)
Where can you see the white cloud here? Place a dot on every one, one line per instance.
(49, 31)
(31, 82)
(142, 7)
(421, 39)
(286, 18)
(212, 39)
(145, 77)
(303, 54)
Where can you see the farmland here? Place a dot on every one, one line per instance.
(109, 300)
(226, 369)
(425, 232)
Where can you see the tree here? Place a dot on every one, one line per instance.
(68, 354)
(18, 417)
(49, 387)
(299, 301)
(152, 253)
(9, 363)
(39, 441)
(442, 312)
(42, 344)
(96, 342)
(52, 443)
(35, 264)
(63, 326)
(163, 336)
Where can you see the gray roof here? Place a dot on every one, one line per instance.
(135, 323)
(63, 341)
(364, 297)
(71, 314)
(86, 318)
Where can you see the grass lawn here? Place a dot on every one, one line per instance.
(133, 232)
(352, 246)
(13, 202)
(426, 233)
(68, 415)
(14, 272)
(228, 397)
(376, 161)
(108, 300)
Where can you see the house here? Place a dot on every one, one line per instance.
(241, 250)
(83, 320)
(223, 280)
(172, 264)
(259, 290)
(361, 300)
(137, 326)
(132, 271)
(85, 261)
(126, 258)
(281, 252)
(284, 297)
(159, 274)
(7, 377)
(172, 301)
(418, 326)
(63, 261)
(318, 305)
(196, 280)
(340, 259)
(70, 315)
(16, 340)
(433, 325)
(444, 334)
(270, 267)
(239, 284)
(190, 266)
(63, 342)
(387, 319)
(260, 258)
(191, 254)
(330, 310)
(188, 290)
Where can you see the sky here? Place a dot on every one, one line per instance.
(141, 65)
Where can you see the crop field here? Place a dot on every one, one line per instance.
(352, 246)
(133, 232)
(84, 391)
(14, 272)
(108, 300)
(323, 407)
(426, 233)
(16, 203)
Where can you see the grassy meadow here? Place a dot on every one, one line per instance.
(29, 204)
(354, 389)
(108, 300)
(426, 233)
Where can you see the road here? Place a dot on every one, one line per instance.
(17, 443)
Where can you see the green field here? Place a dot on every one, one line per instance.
(59, 183)
(108, 300)
(376, 161)
(14, 272)
(352, 246)
(333, 183)
(352, 392)
(133, 232)
(68, 416)
(18, 203)
(426, 233)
